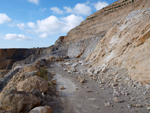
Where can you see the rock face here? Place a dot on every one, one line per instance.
(36, 83)
(126, 45)
(82, 39)
(18, 101)
(9, 56)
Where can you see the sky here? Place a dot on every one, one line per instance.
(39, 23)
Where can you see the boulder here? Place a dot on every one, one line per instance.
(18, 101)
(41, 109)
(34, 82)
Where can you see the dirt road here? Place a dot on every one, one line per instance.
(86, 97)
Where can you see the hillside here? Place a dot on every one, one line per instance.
(100, 66)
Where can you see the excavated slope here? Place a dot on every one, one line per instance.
(81, 41)
(126, 45)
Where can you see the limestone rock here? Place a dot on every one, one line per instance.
(71, 69)
(54, 82)
(81, 80)
(18, 101)
(138, 105)
(118, 100)
(62, 87)
(148, 108)
(131, 52)
(148, 87)
(41, 109)
(34, 82)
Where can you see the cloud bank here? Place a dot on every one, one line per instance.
(4, 18)
(19, 37)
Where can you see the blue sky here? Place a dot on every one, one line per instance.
(39, 23)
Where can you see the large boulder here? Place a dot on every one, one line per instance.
(17, 101)
(34, 82)
(41, 109)
(17, 78)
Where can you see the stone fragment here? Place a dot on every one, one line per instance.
(107, 104)
(129, 106)
(81, 80)
(147, 87)
(138, 105)
(118, 100)
(148, 108)
(88, 90)
(54, 82)
(62, 87)
(41, 109)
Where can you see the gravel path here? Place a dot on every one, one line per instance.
(87, 97)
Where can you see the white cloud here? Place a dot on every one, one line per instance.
(79, 9)
(31, 24)
(34, 1)
(4, 18)
(56, 10)
(68, 9)
(21, 26)
(44, 35)
(71, 21)
(99, 5)
(54, 25)
(49, 25)
(43, 9)
(16, 37)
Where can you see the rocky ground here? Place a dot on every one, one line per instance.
(81, 91)
(73, 86)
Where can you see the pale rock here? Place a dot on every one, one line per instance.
(71, 69)
(65, 69)
(129, 106)
(107, 104)
(138, 105)
(41, 109)
(62, 87)
(148, 108)
(88, 90)
(81, 80)
(74, 64)
(54, 81)
(34, 82)
(118, 100)
(147, 87)
(67, 63)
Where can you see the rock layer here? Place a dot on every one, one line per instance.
(126, 45)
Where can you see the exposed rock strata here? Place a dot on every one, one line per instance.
(126, 45)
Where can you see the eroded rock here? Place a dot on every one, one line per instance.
(34, 82)
(18, 101)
